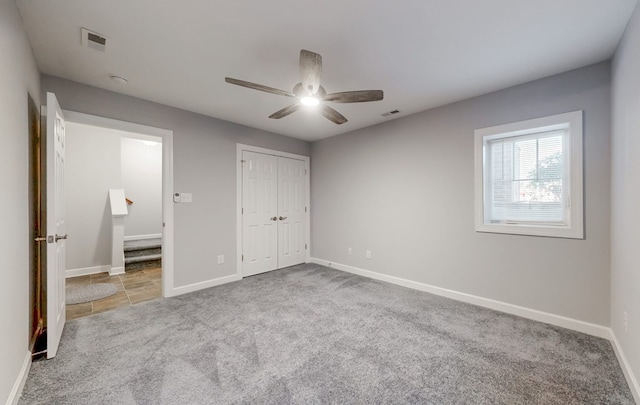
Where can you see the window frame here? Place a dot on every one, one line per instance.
(573, 226)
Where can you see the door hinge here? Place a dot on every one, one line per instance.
(243, 258)
(305, 209)
(242, 211)
(305, 171)
(305, 246)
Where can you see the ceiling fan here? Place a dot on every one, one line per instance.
(310, 92)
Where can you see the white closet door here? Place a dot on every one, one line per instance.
(259, 213)
(291, 212)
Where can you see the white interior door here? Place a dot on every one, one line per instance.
(291, 212)
(56, 236)
(259, 213)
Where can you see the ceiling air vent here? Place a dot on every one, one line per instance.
(394, 112)
(94, 40)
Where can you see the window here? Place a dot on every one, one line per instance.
(529, 177)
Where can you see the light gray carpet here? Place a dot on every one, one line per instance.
(91, 292)
(310, 335)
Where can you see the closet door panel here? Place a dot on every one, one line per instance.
(259, 213)
(291, 212)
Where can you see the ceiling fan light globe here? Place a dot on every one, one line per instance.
(309, 101)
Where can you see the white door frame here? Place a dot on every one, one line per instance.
(167, 182)
(307, 192)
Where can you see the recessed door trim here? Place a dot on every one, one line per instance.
(307, 193)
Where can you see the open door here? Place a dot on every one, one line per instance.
(56, 236)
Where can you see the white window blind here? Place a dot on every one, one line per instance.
(526, 178)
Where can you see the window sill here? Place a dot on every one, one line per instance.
(533, 230)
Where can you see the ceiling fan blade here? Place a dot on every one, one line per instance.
(310, 71)
(361, 96)
(332, 115)
(285, 111)
(260, 87)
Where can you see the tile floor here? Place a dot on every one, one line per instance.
(133, 287)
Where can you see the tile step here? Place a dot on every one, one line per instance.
(145, 258)
(142, 252)
(142, 247)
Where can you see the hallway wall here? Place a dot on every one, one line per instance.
(97, 160)
(141, 171)
(92, 168)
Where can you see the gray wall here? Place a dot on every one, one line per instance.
(204, 155)
(92, 168)
(405, 190)
(18, 77)
(625, 193)
(142, 182)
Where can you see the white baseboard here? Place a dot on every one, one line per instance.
(86, 271)
(141, 237)
(203, 284)
(557, 320)
(116, 270)
(16, 391)
(626, 368)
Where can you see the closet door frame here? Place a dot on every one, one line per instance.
(307, 195)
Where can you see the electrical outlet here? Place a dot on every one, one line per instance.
(368, 254)
(625, 321)
(349, 251)
(220, 259)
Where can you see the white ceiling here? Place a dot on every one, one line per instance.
(422, 53)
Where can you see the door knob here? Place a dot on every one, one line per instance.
(274, 218)
(282, 218)
(58, 237)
